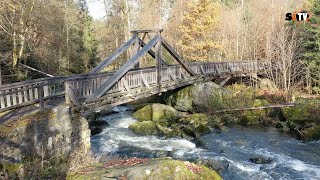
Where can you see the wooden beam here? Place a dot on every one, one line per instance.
(159, 63)
(144, 81)
(177, 57)
(126, 86)
(73, 97)
(41, 99)
(257, 108)
(223, 82)
(136, 49)
(147, 31)
(36, 70)
(202, 70)
(152, 53)
(114, 56)
(122, 71)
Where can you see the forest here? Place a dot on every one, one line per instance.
(59, 37)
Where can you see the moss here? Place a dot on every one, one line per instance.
(159, 113)
(144, 114)
(312, 133)
(202, 129)
(145, 128)
(254, 116)
(196, 119)
(305, 111)
(176, 170)
(181, 100)
(24, 121)
(158, 169)
(12, 168)
(169, 132)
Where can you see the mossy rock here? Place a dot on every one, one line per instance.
(255, 116)
(197, 125)
(154, 169)
(144, 128)
(158, 113)
(195, 119)
(181, 100)
(169, 132)
(202, 129)
(144, 114)
(310, 134)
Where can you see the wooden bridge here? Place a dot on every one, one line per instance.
(97, 89)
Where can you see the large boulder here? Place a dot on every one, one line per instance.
(196, 124)
(158, 113)
(147, 169)
(192, 96)
(181, 100)
(144, 128)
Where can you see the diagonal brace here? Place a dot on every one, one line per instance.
(177, 57)
(122, 71)
(113, 56)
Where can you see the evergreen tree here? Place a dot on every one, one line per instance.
(89, 45)
(311, 44)
(198, 42)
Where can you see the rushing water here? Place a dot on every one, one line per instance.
(291, 159)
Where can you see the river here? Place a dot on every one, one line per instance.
(290, 158)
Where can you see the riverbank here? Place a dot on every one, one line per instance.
(191, 111)
(228, 152)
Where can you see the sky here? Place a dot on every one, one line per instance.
(96, 8)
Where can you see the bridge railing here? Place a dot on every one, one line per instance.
(35, 91)
(133, 79)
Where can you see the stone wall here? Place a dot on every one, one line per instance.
(55, 133)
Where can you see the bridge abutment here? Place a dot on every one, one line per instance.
(60, 134)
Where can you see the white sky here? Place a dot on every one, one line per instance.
(96, 8)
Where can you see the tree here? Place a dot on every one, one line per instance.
(198, 42)
(311, 45)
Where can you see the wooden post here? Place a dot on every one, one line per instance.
(67, 92)
(41, 97)
(136, 48)
(158, 59)
(0, 75)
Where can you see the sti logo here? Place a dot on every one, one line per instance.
(300, 16)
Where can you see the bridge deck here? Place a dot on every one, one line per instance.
(134, 85)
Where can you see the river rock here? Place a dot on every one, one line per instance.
(144, 128)
(158, 113)
(260, 160)
(173, 131)
(196, 125)
(164, 168)
(254, 116)
(97, 126)
(216, 165)
(192, 96)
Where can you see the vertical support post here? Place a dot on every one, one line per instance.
(158, 59)
(67, 92)
(0, 75)
(136, 48)
(41, 97)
